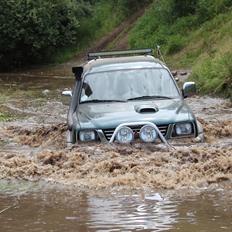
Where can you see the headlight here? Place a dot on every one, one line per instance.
(125, 135)
(86, 136)
(148, 134)
(184, 129)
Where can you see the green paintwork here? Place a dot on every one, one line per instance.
(106, 116)
(100, 116)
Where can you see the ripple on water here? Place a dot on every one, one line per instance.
(62, 209)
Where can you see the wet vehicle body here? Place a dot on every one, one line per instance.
(128, 96)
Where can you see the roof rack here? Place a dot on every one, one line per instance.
(97, 55)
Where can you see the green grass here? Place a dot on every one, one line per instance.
(214, 75)
(4, 117)
(104, 19)
(203, 44)
(205, 47)
(212, 67)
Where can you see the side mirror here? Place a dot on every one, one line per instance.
(67, 93)
(189, 89)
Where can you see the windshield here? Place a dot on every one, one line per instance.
(124, 85)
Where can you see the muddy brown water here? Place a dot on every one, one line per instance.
(38, 207)
(46, 187)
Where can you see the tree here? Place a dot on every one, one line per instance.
(31, 31)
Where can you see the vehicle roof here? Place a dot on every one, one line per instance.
(118, 63)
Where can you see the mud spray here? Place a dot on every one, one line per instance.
(39, 153)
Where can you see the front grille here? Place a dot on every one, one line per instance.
(109, 132)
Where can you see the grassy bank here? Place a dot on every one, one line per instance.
(200, 39)
(105, 16)
(102, 19)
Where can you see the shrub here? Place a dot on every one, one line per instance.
(31, 31)
(161, 26)
(180, 8)
(42, 31)
(208, 9)
(215, 75)
(175, 44)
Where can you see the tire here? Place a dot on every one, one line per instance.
(200, 138)
(71, 137)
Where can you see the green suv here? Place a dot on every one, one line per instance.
(128, 96)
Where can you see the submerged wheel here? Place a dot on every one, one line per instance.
(200, 138)
(71, 137)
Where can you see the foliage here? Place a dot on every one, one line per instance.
(215, 75)
(163, 25)
(175, 44)
(209, 9)
(130, 6)
(169, 22)
(32, 30)
(106, 14)
(195, 33)
(5, 117)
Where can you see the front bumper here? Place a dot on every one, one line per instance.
(165, 132)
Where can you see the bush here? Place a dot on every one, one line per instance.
(215, 75)
(169, 23)
(43, 31)
(175, 44)
(31, 31)
(130, 6)
(180, 8)
(209, 9)
(161, 25)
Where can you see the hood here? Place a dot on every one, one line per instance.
(110, 115)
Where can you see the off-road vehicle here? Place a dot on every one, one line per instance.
(128, 96)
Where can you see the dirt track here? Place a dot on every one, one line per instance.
(117, 39)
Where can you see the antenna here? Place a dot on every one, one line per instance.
(159, 53)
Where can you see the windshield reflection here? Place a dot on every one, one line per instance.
(124, 85)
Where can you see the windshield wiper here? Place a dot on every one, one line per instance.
(97, 101)
(149, 97)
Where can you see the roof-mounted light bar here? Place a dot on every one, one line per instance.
(97, 55)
